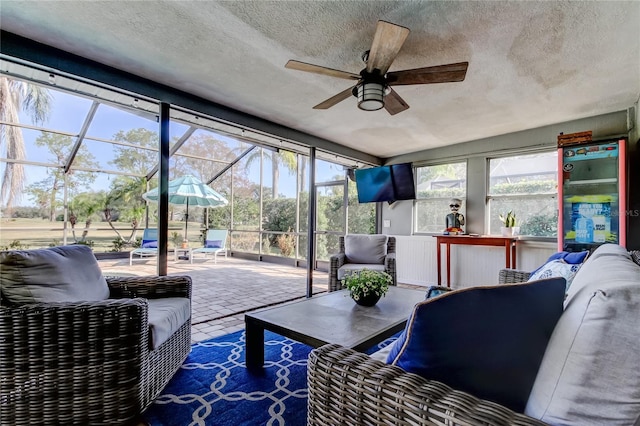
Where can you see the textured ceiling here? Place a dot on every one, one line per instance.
(531, 63)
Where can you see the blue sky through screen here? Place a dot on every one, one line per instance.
(68, 114)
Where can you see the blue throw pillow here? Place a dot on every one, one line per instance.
(213, 244)
(435, 291)
(149, 244)
(487, 341)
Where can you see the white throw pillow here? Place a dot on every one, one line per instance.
(557, 268)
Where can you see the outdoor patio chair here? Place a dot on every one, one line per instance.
(215, 243)
(81, 348)
(148, 248)
(358, 251)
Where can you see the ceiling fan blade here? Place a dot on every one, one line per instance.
(317, 69)
(439, 74)
(386, 44)
(335, 99)
(394, 104)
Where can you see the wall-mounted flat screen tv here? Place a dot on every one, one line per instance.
(374, 184)
(385, 183)
(404, 186)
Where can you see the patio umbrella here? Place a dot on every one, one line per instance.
(190, 191)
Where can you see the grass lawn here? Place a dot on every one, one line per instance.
(38, 233)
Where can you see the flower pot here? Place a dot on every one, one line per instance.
(368, 300)
(506, 231)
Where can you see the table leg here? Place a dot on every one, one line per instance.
(448, 264)
(438, 260)
(507, 255)
(254, 350)
(513, 255)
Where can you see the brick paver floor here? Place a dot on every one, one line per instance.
(224, 291)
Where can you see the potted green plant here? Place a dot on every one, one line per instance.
(367, 286)
(509, 220)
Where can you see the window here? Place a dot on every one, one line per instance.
(528, 186)
(435, 186)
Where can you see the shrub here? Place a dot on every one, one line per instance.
(287, 244)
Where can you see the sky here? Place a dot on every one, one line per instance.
(68, 114)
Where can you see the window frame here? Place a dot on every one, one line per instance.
(444, 200)
(541, 196)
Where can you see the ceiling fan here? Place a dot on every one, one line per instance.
(373, 84)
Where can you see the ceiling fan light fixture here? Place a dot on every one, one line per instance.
(370, 96)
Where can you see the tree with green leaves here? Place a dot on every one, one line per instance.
(15, 96)
(136, 160)
(85, 205)
(125, 196)
(59, 148)
(124, 202)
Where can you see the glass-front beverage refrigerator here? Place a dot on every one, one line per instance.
(592, 194)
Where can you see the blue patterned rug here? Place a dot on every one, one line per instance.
(213, 387)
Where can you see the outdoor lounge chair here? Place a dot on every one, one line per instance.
(215, 243)
(149, 246)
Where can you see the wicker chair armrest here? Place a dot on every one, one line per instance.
(107, 329)
(149, 287)
(349, 388)
(390, 257)
(337, 260)
(390, 267)
(390, 261)
(508, 276)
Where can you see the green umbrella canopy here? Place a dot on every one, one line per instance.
(190, 191)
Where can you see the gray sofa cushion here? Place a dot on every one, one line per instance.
(589, 374)
(360, 248)
(56, 274)
(166, 316)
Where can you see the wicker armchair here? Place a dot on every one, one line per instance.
(88, 362)
(339, 259)
(350, 388)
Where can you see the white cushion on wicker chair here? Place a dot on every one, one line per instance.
(351, 267)
(166, 316)
(56, 274)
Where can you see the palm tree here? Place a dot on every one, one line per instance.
(34, 100)
(125, 197)
(287, 158)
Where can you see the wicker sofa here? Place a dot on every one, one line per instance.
(597, 328)
(89, 362)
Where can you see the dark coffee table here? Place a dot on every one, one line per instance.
(331, 318)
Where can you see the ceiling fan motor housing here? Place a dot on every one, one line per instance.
(371, 90)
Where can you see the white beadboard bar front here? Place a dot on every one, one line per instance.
(470, 265)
